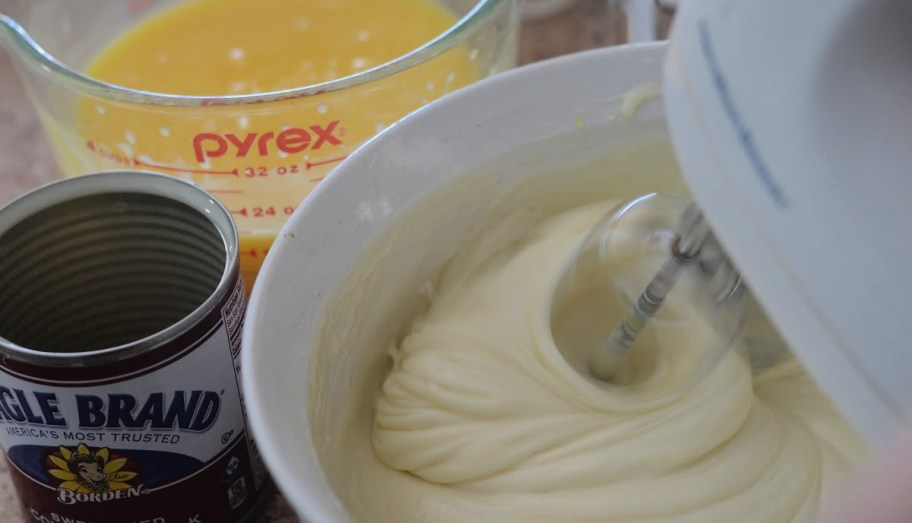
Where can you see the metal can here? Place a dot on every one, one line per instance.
(121, 306)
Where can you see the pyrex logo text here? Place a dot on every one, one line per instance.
(293, 140)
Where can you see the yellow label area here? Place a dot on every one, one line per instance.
(262, 159)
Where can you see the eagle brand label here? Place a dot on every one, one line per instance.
(160, 437)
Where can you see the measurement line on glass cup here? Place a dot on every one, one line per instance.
(253, 252)
(249, 172)
(264, 212)
(174, 168)
(310, 165)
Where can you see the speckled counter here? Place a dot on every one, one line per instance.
(26, 161)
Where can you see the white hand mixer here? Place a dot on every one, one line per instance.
(790, 121)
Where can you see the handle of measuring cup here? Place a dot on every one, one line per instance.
(647, 20)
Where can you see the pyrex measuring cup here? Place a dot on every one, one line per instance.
(261, 154)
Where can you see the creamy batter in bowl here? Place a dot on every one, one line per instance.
(364, 256)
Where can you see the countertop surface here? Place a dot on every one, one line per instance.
(26, 160)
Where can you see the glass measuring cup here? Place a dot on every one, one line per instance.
(261, 154)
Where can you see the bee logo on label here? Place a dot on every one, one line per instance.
(92, 475)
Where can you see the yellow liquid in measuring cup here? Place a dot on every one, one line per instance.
(262, 160)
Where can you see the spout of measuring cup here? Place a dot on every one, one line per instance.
(13, 37)
(8, 29)
(19, 21)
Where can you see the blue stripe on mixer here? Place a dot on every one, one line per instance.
(744, 135)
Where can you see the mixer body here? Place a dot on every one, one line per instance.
(791, 131)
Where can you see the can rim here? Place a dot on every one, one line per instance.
(142, 182)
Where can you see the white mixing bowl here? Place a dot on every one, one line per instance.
(348, 269)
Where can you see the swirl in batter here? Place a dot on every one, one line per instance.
(481, 403)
